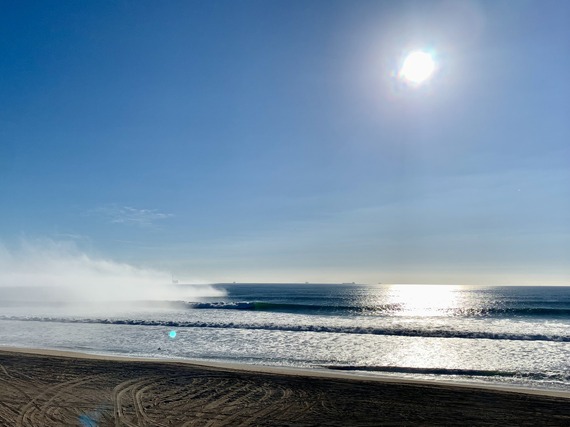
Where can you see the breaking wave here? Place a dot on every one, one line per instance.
(557, 376)
(360, 330)
(384, 309)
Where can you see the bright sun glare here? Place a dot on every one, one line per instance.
(417, 67)
(425, 300)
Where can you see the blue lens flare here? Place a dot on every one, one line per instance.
(172, 334)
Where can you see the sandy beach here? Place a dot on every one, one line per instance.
(50, 388)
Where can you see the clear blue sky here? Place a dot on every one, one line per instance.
(272, 141)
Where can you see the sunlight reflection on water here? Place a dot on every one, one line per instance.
(425, 300)
(458, 333)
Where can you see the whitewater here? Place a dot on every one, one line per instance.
(516, 336)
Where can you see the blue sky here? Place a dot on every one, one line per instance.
(273, 141)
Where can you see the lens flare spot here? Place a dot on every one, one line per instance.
(172, 334)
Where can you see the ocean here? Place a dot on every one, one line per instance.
(515, 336)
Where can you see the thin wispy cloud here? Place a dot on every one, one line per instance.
(74, 237)
(131, 216)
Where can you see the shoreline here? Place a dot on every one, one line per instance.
(54, 388)
(285, 370)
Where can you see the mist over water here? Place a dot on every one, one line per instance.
(51, 271)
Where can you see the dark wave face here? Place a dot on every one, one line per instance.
(543, 303)
(360, 330)
(293, 307)
(360, 300)
(384, 309)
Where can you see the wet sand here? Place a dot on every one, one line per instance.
(50, 388)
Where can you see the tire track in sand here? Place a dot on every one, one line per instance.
(279, 402)
(12, 382)
(37, 408)
(117, 397)
(138, 391)
(253, 403)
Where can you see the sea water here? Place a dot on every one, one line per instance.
(516, 336)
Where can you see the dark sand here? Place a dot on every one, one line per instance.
(55, 389)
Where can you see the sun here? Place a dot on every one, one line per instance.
(417, 68)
